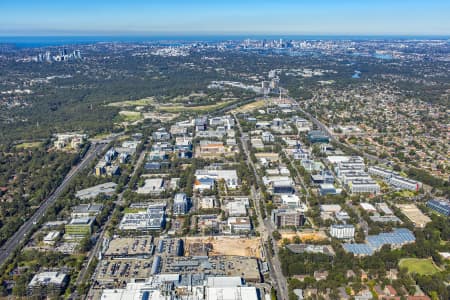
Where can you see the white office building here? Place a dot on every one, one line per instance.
(230, 177)
(364, 186)
(180, 204)
(344, 231)
(405, 183)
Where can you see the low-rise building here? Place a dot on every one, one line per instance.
(279, 185)
(322, 177)
(48, 283)
(180, 204)
(80, 227)
(107, 189)
(228, 176)
(152, 186)
(440, 206)
(384, 208)
(161, 135)
(201, 123)
(342, 231)
(405, 183)
(211, 147)
(86, 210)
(206, 202)
(290, 200)
(267, 137)
(330, 208)
(385, 219)
(288, 217)
(342, 216)
(51, 237)
(364, 186)
(394, 179)
(153, 218)
(368, 207)
(328, 189)
(414, 214)
(236, 208)
(239, 224)
(317, 136)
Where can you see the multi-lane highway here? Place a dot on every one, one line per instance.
(14, 241)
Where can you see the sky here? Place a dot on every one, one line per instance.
(225, 17)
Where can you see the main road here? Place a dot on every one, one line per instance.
(17, 238)
(266, 227)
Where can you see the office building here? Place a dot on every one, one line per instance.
(153, 218)
(328, 189)
(440, 206)
(228, 176)
(86, 210)
(405, 183)
(48, 283)
(80, 227)
(288, 217)
(290, 200)
(342, 231)
(317, 136)
(239, 224)
(364, 186)
(153, 186)
(180, 204)
(107, 189)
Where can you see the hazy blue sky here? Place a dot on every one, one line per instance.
(179, 17)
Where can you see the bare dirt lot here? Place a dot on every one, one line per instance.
(305, 236)
(230, 245)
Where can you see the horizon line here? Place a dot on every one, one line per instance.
(222, 34)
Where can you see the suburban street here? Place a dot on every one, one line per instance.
(325, 129)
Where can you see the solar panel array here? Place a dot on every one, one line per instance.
(359, 249)
(398, 237)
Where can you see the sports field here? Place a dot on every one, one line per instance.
(419, 266)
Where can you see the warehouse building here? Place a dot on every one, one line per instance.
(107, 189)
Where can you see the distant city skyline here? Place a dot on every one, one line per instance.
(200, 17)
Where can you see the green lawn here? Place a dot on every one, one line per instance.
(130, 116)
(200, 108)
(29, 145)
(419, 266)
(141, 102)
(129, 210)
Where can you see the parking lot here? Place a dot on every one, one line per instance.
(115, 273)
